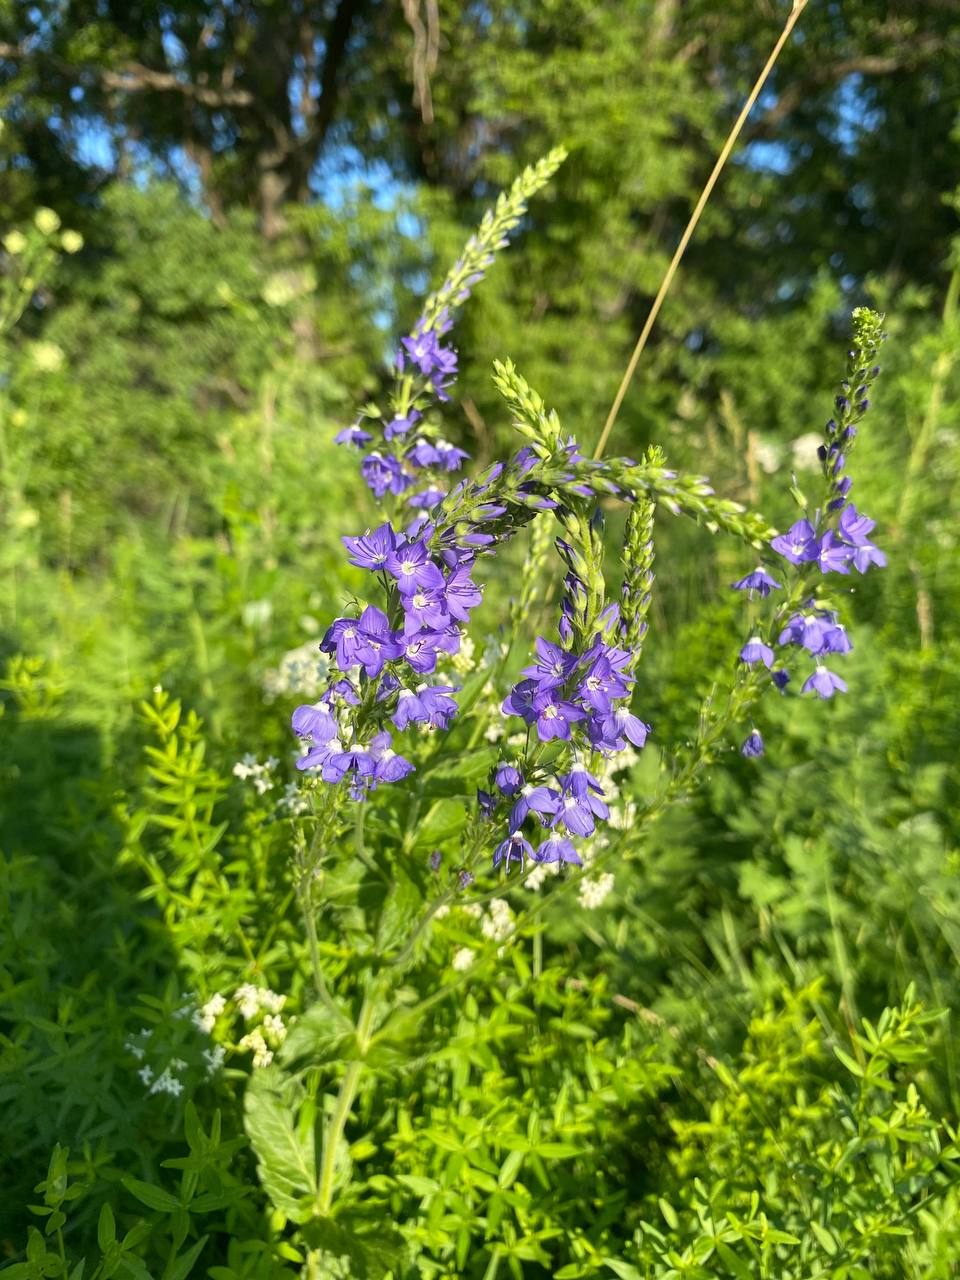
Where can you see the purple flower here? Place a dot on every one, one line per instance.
(781, 678)
(824, 683)
(425, 608)
(602, 685)
(579, 782)
(805, 629)
(555, 716)
(426, 499)
(412, 567)
(508, 779)
(379, 644)
(514, 849)
(449, 456)
(798, 544)
(420, 648)
(433, 862)
(578, 813)
(836, 640)
(438, 704)
(355, 761)
(753, 745)
(867, 554)
(354, 435)
(756, 651)
(314, 723)
(833, 556)
(554, 666)
(462, 593)
(401, 425)
(390, 767)
(423, 454)
(759, 580)
(519, 701)
(539, 800)
(343, 639)
(557, 848)
(371, 550)
(855, 528)
(384, 473)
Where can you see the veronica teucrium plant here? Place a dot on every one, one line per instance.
(443, 772)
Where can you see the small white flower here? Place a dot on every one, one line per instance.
(262, 1055)
(214, 1059)
(804, 450)
(248, 1000)
(463, 959)
(594, 890)
(146, 1073)
(498, 922)
(273, 1026)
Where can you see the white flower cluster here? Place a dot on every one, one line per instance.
(248, 769)
(498, 921)
(463, 959)
(168, 1079)
(294, 802)
(263, 1040)
(205, 1017)
(303, 671)
(251, 1000)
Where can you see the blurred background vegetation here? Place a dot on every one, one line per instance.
(264, 190)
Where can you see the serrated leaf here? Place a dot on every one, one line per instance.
(285, 1150)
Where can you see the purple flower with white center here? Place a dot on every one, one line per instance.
(833, 556)
(867, 554)
(384, 473)
(426, 499)
(836, 640)
(602, 685)
(399, 426)
(756, 651)
(371, 550)
(343, 639)
(805, 629)
(425, 608)
(314, 723)
(409, 709)
(557, 848)
(519, 701)
(354, 435)
(798, 544)
(612, 733)
(578, 815)
(554, 666)
(343, 691)
(423, 454)
(391, 767)
(412, 567)
(579, 782)
(855, 528)
(759, 581)
(824, 683)
(461, 592)
(424, 351)
(752, 745)
(357, 761)
(449, 456)
(438, 705)
(514, 849)
(508, 779)
(421, 648)
(555, 716)
(379, 644)
(539, 800)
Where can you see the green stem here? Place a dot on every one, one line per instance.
(348, 1091)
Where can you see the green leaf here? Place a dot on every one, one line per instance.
(827, 1242)
(153, 1197)
(184, 1264)
(510, 1168)
(320, 1036)
(106, 1229)
(285, 1149)
(734, 1264)
(850, 1063)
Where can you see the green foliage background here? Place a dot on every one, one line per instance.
(677, 1083)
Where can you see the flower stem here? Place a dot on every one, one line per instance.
(798, 8)
(345, 1098)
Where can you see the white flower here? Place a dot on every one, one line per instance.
(595, 889)
(248, 1000)
(146, 1073)
(441, 911)
(214, 1059)
(204, 1019)
(167, 1082)
(767, 455)
(494, 731)
(463, 959)
(273, 1026)
(498, 922)
(303, 671)
(262, 1056)
(539, 873)
(462, 661)
(271, 1001)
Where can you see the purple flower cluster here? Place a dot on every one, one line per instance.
(568, 808)
(411, 453)
(428, 598)
(564, 693)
